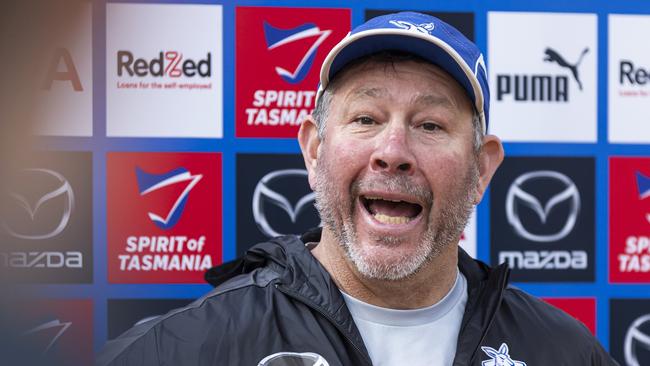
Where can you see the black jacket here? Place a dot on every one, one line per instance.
(278, 298)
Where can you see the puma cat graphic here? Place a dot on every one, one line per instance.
(554, 56)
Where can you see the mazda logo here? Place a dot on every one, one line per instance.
(62, 188)
(636, 338)
(263, 194)
(517, 194)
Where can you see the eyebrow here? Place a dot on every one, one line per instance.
(433, 100)
(366, 92)
(427, 100)
(422, 99)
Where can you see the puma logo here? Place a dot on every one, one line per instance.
(553, 56)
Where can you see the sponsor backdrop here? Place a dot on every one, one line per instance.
(169, 148)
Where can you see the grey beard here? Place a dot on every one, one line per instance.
(338, 218)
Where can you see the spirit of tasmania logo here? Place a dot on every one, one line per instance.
(629, 219)
(58, 332)
(278, 56)
(164, 216)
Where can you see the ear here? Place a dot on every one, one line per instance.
(503, 349)
(309, 144)
(489, 159)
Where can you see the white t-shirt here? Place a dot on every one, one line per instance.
(425, 336)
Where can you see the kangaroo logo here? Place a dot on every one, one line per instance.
(500, 357)
(425, 28)
(553, 56)
(294, 358)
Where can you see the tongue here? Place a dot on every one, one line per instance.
(394, 209)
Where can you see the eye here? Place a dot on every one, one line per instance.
(364, 120)
(429, 126)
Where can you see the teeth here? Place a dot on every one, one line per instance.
(395, 220)
(381, 198)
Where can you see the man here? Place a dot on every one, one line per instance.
(397, 154)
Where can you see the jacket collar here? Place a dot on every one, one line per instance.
(302, 276)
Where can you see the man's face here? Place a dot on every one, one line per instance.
(396, 173)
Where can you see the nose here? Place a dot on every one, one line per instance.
(393, 152)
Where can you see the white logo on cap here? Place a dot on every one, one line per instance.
(425, 28)
(480, 62)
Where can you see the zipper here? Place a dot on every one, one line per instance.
(502, 273)
(326, 315)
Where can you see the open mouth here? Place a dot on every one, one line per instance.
(389, 211)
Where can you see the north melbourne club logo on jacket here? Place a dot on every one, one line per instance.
(500, 357)
(294, 358)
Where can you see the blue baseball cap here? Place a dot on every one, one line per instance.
(423, 35)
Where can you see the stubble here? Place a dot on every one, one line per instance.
(337, 212)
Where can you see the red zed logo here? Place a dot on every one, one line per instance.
(629, 229)
(166, 63)
(164, 216)
(174, 59)
(274, 96)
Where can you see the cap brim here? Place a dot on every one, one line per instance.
(376, 40)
